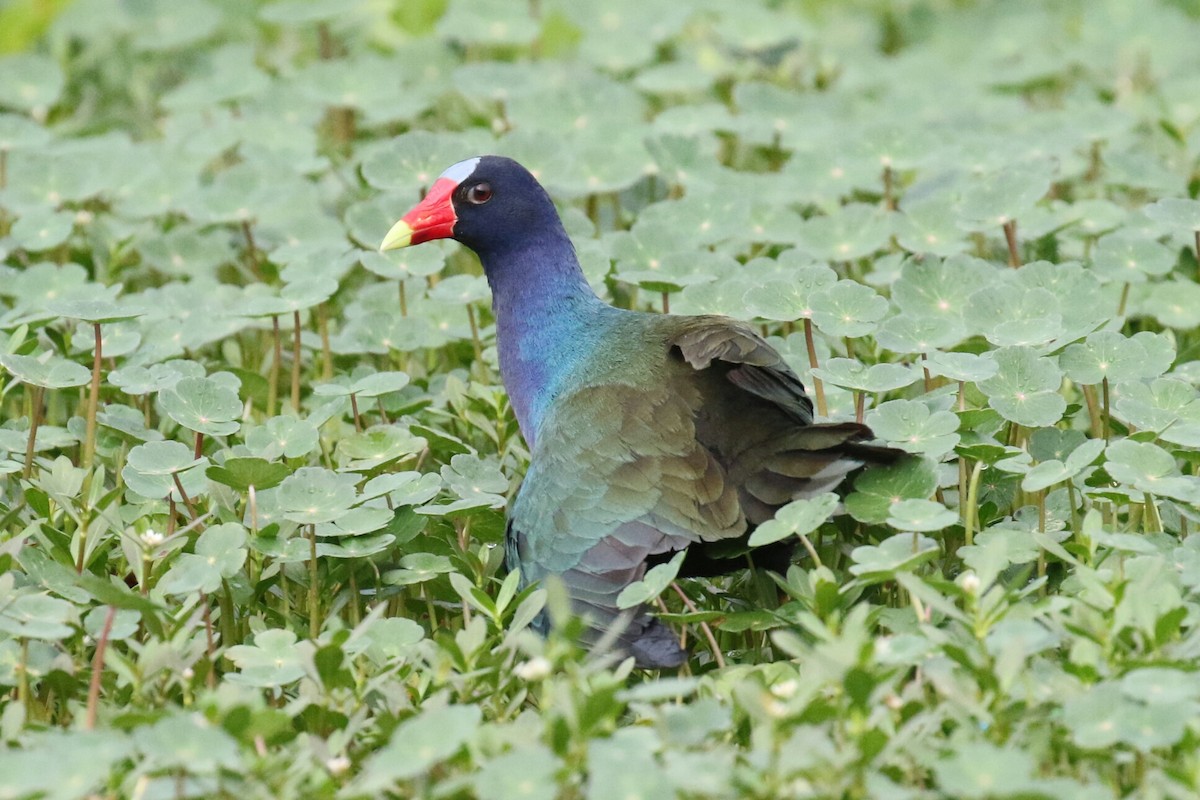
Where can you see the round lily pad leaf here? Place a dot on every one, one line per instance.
(929, 226)
(490, 22)
(989, 200)
(876, 490)
(355, 546)
(899, 553)
(93, 311)
(314, 494)
(220, 554)
(302, 12)
(966, 367)
(906, 333)
(1175, 213)
(847, 308)
(150, 470)
(932, 287)
(915, 514)
(1175, 304)
(283, 436)
(203, 405)
(161, 25)
(373, 385)
(46, 370)
(461, 289)
(242, 473)
(1104, 354)
(1157, 405)
(17, 132)
(982, 770)
(406, 262)
(1149, 468)
(42, 229)
(1131, 258)
(30, 82)
(799, 517)
(38, 616)
(474, 481)
(1025, 389)
(274, 659)
(912, 426)
(854, 231)
(356, 522)
(413, 160)
(853, 374)
(1033, 317)
(1161, 685)
(418, 568)
(376, 446)
(791, 297)
(144, 380)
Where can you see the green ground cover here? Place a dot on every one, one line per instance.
(253, 473)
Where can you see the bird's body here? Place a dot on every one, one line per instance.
(648, 433)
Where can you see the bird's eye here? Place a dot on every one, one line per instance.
(479, 194)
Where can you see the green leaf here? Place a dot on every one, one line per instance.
(417, 745)
(38, 616)
(877, 490)
(799, 517)
(847, 309)
(274, 659)
(30, 82)
(1025, 389)
(314, 494)
(652, 584)
(902, 552)
(46, 370)
(203, 405)
(150, 470)
(913, 427)
(242, 473)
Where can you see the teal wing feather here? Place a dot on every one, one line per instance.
(618, 477)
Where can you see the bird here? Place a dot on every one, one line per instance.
(648, 433)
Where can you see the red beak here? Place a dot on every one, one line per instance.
(432, 218)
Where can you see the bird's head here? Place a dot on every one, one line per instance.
(485, 203)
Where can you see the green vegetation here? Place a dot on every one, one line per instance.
(252, 472)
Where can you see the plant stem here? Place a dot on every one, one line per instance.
(971, 513)
(403, 299)
(198, 451)
(478, 345)
(296, 362)
(1107, 410)
(93, 697)
(860, 402)
(89, 444)
(1124, 300)
(1010, 236)
(35, 419)
(187, 501)
(314, 596)
(251, 250)
(23, 677)
(326, 349)
(210, 649)
(354, 408)
(273, 378)
(818, 387)
(666, 302)
(708, 634)
(1093, 404)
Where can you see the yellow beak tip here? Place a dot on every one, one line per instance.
(399, 236)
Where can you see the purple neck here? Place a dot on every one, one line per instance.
(548, 321)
